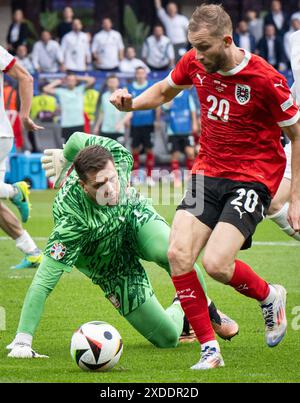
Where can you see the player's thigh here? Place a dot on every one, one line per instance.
(189, 152)
(6, 146)
(153, 322)
(152, 239)
(135, 135)
(188, 237)
(281, 197)
(147, 133)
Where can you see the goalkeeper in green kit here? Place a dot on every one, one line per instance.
(103, 227)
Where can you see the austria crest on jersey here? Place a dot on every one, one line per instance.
(242, 93)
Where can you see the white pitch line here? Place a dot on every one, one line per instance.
(258, 243)
(276, 244)
(38, 238)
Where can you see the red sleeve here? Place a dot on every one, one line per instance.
(282, 104)
(10, 65)
(179, 77)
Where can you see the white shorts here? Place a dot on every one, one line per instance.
(288, 169)
(6, 144)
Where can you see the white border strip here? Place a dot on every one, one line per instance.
(291, 121)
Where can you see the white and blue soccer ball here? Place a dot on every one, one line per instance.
(96, 346)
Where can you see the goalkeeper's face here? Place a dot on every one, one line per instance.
(103, 186)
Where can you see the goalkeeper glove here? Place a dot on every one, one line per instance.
(55, 165)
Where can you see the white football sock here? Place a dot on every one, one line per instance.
(23, 338)
(271, 296)
(7, 191)
(211, 343)
(26, 244)
(280, 218)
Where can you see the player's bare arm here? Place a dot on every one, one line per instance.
(293, 132)
(153, 97)
(25, 82)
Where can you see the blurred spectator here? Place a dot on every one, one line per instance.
(76, 49)
(158, 51)
(176, 26)
(23, 58)
(255, 25)
(130, 63)
(111, 122)
(243, 38)
(142, 127)
(181, 123)
(71, 101)
(295, 26)
(278, 18)
(47, 55)
(10, 96)
(11, 106)
(43, 109)
(17, 31)
(43, 106)
(91, 97)
(271, 49)
(297, 13)
(107, 47)
(65, 26)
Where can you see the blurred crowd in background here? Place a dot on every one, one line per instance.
(76, 70)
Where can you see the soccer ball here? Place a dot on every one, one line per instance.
(96, 346)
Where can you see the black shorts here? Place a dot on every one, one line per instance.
(68, 131)
(213, 200)
(141, 136)
(179, 142)
(114, 136)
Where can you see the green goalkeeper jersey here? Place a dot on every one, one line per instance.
(98, 240)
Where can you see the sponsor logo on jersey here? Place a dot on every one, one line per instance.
(220, 87)
(242, 93)
(114, 300)
(58, 251)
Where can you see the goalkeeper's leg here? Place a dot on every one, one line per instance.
(152, 244)
(43, 283)
(161, 327)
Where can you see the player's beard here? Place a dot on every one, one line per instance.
(219, 62)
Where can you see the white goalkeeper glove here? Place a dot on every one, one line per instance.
(24, 351)
(55, 165)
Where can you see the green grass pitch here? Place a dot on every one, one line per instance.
(76, 301)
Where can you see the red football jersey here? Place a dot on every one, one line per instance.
(242, 113)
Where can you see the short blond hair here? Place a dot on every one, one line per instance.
(213, 17)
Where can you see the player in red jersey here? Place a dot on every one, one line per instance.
(244, 105)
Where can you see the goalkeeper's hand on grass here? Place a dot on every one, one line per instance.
(55, 165)
(24, 351)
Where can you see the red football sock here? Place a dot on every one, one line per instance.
(174, 165)
(149, 163)
(189, 163)
(136, 161)
(194, 304)
(247, 282)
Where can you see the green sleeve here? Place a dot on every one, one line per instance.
(68, 238)
(43, 283)
(122, 157)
